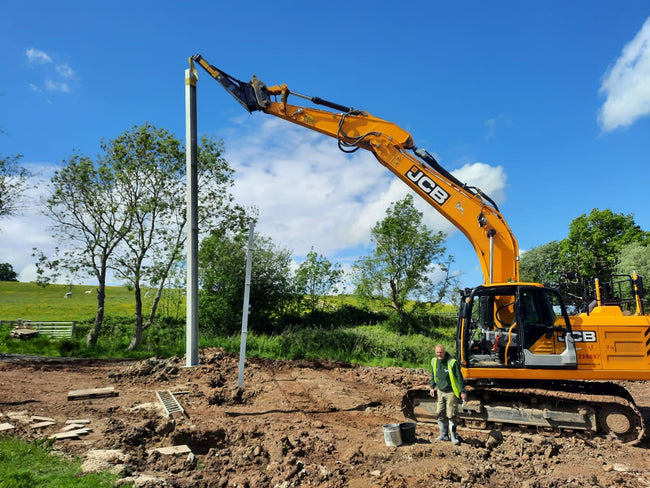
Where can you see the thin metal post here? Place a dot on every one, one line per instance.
(491, 234)
(192, 316)
(247, 292)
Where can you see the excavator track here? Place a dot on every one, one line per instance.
(595, 408)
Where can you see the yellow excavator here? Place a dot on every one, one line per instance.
(525, 360)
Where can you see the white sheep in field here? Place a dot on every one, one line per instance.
(88, 292)
(68, 295)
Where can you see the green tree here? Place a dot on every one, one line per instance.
(401, 272)
(13, 183)
(595, 241)
(90, 219)
(541, 264)
(222, 272)
(634, 257)
(126, 212)
(7, 272)
(150, 164)
(317, 277)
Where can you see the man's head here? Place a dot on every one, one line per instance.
(440, 351)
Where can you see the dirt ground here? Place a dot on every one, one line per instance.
(292, 424)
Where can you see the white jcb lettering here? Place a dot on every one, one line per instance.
(583, 336)
(427, 185)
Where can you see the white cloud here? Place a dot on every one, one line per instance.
(490, 179)
(60, 86)
(18, 236)
(64, 70)
(57, 76)
(492, 124)
(627, 84)
(309, 193)
(31, 229)
(37, 57)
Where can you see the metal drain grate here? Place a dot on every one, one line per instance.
(170, 403)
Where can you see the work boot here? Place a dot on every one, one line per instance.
(444, 431)
(452, 433)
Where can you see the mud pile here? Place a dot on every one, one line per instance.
(291, 424)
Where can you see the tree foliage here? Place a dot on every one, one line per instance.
(7, 272)
(90, 219)
(541, 264)
(595, 241)
(317, 277)
(149, 163)
(13, 183)
(126, 212)
(407, 263)
(222, 269)
(634, 257)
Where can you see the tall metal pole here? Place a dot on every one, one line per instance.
(192, 316)
(244, 316)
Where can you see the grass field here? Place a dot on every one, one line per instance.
(28, 301)
(360, 343)
(32, 464)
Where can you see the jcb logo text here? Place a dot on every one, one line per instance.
(583, 336)
(427, 185)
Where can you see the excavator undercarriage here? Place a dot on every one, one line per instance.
(593, 408)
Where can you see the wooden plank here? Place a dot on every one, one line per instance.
(6, 426)
(77, 421)
(108, 391)
(41, 425)
(72, 427)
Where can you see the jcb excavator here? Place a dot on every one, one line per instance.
(525, 360)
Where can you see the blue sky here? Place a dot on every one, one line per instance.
(543, 105)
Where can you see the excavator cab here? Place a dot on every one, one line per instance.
(514, 326)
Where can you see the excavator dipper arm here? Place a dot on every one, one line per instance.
(467, 208)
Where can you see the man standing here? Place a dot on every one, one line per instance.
(446, 376)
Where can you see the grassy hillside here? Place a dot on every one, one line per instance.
(28, 301)
(359, 343)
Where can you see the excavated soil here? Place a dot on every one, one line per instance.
(301, 423)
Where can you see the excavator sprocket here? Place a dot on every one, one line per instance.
(596, 408)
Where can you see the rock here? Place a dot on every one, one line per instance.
(190, 461)
(165, 426)
(495, 438)
(142, 481)
(551, 451)
(104, 460)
